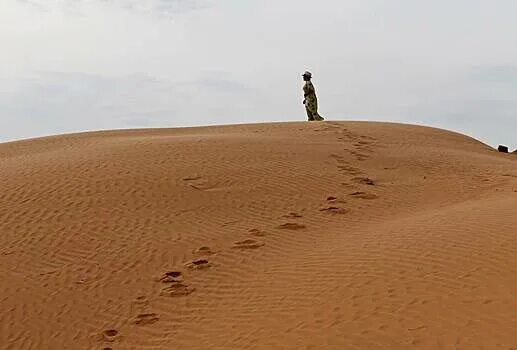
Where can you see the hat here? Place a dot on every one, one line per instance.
(307, 74)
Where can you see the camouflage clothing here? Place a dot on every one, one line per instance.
(311, 102)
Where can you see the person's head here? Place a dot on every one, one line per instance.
(307, 76)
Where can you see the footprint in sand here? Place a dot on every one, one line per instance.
(291, 226)
(204, 187)
(292, 216)
(199, 264)
(203, 251)
(335, 200)
(335, 210)
(349, 170)
(191, 178)
(247, 244)
(141, 300)
(175, 286)
(364, 181)
(177, 290)
(139, 303)
(146, 319)
(106, 337)
(337, 157)
(364, 137)
(171, 277)
(197, 183)
(359, 156)
(256, 232)
(110, 335)
(363, 195)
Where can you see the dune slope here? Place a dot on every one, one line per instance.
(330, 235)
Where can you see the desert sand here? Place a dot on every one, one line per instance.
(332, 235)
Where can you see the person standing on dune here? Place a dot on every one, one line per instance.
(310, 100)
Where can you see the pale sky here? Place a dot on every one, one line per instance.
(78, 65)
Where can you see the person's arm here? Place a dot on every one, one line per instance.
(309, 90)
(306, 92)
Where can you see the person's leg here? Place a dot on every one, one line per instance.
(310, 117)
(314, 110)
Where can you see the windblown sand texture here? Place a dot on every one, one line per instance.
(327, 235)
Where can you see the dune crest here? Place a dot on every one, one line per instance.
(332, 235)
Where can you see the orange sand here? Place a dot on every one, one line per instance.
(325, 235)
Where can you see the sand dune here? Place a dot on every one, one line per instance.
(328, 235)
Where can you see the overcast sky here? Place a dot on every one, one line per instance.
(75, 65)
